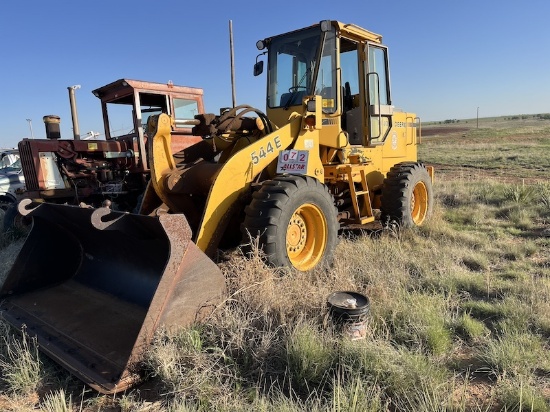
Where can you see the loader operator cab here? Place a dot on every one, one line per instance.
(344, 64)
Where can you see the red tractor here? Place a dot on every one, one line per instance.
(114, 169)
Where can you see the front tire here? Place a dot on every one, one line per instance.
(295, 219)
(407, 195)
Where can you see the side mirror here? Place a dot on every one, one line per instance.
(258, 68)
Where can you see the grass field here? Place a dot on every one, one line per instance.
(459, 309)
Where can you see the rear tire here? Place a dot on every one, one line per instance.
(295, 219)
(407, 195)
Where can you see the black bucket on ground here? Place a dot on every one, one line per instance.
(94, 285)
(349, 312)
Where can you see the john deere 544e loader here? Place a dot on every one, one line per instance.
(330, 151)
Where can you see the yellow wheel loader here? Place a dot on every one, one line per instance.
(331, 151)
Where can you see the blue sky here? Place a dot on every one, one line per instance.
(447, 58)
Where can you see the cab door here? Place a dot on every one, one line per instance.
(378, 97)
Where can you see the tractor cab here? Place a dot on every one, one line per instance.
(127, 105)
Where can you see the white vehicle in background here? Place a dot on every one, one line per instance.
(12, 181)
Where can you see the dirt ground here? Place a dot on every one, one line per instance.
(442, 130)
(471, 172)
(444, 171)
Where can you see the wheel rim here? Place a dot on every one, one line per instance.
(419, 203)
(306, 237)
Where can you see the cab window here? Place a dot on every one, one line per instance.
(185, 109)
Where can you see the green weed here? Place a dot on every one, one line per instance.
(470, 328)
(310, 356)
(515, 353)
(20, 363)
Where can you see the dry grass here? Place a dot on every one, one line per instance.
(459, 315)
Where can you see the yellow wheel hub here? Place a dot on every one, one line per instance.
(306, 237)
(419, 203)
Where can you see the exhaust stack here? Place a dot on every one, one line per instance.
(74, 114)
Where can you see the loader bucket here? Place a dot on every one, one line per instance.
(94, 286)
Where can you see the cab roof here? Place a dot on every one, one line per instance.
(127, 86)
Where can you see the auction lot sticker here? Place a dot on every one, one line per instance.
(292, 161)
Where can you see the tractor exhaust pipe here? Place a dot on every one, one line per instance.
(74, 114)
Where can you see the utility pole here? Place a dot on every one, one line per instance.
(30, 127)
(477, 122)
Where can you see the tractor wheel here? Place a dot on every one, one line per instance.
(4, 206)
(14, 223)
(5, 203)
(407, 195)
(295, 220)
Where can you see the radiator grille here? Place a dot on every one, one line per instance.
(28, 165)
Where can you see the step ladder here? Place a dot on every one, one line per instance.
(363, 213)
